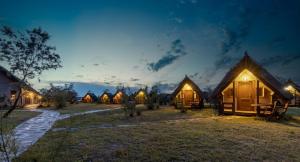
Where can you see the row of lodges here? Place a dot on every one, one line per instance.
(245, 89)
(140, 97)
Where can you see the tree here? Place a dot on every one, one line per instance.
(153, 98)
(27, 55)
(59, 95)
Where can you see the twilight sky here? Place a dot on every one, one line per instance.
(142, 42)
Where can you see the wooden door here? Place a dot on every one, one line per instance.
(245, 96)
(188, 97)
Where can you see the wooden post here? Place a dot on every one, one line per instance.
(257, 98)
(233, 94)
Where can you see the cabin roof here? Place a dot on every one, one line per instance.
(186, 80)
(13, 78)
(262, 74)
(119, 90)
(94, 97)
(107, 93)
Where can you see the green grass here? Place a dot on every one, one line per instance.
(167, 135)
(82, 107)
(16, 118)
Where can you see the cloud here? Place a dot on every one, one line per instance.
(279, 59)
(177, 50)
(134, 79)
(96, 64)
(82, 66)
(79, 76)
(277, 41)
(135, 67)
(233, 37)
(194, 75)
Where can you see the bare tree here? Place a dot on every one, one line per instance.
(27, 55)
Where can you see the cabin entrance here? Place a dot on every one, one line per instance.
(245, 96)
(188, 97)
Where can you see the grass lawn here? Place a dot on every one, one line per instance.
(82, 107)
(167, 135)
(16, 118)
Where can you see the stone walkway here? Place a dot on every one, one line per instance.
(30, 131)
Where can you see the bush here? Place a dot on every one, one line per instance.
(130, 108)
(60, 101)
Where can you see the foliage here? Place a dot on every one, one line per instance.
(129, 104)
(59, 95)
(27, 55)
(153, 98)
(8, 146)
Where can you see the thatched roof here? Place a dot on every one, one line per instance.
(13, 78)
(263, 75)
(92, 95)
(188, 81)
(293, 84)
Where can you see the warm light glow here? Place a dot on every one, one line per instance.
(141, 93)
(30, 94)
(187, 87)
(288, 88)
(245, 77)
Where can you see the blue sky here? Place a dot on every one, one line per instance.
(137, 43)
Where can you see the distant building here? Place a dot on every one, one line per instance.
(9, 88)
(89, 97)
(294, 90)
(141, 96)
(187, 94)
(106, 98)
(118, 96)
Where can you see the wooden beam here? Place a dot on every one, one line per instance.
(233, 91)
(257, 97)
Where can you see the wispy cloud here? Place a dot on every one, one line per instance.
(134, 79)
(96, 64)
(279, 59)
(79, 76)
(177, 50)
(233, 38)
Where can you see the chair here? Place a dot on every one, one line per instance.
(279, 110)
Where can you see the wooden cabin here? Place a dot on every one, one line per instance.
(140, 96)
(187, 94)
(118, 96)
(247, 88)
(89, 98)
(105, 98)
(294, 90)
(10, 88)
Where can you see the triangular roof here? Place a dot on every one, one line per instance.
(188, 81)
(248, 63)
(13, 78)
(107, 93)
(94, 97)
(293, 84)
(141, 89)
(119, 90)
